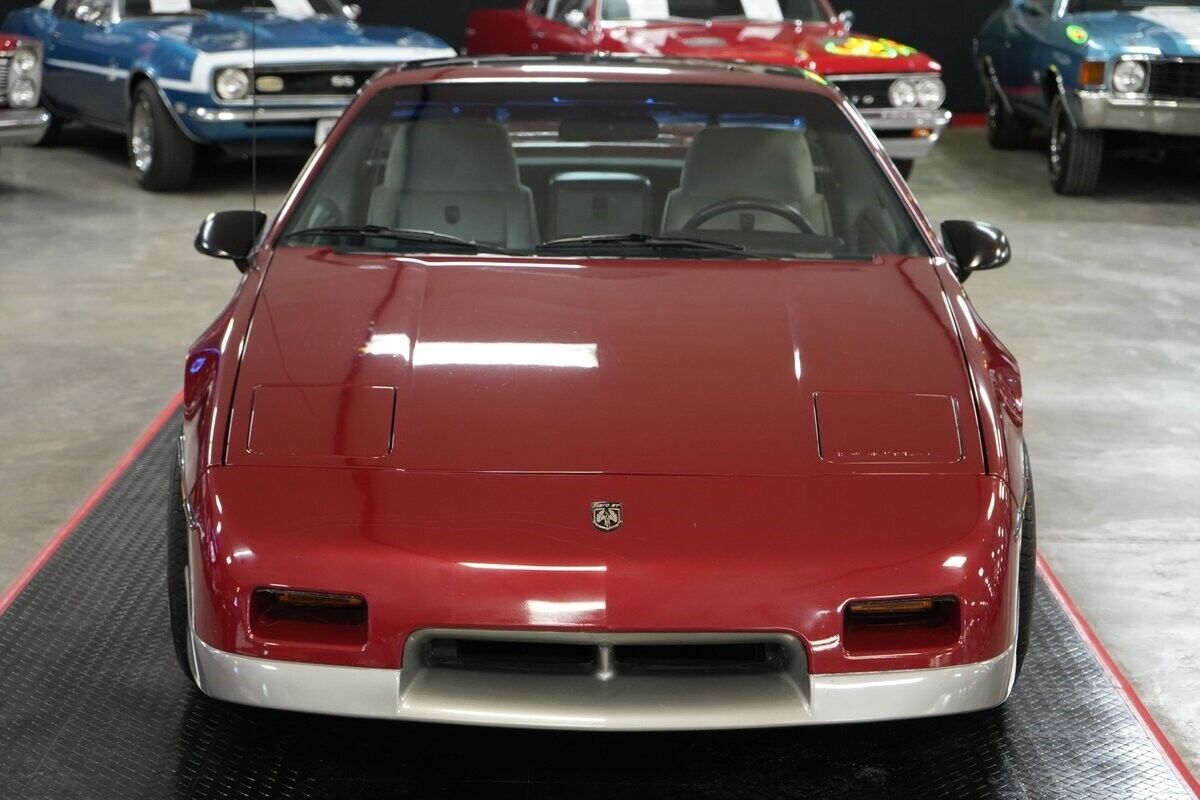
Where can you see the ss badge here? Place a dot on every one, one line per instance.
(606, 516)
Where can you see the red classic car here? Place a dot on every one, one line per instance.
(630, 395)
(21, 121)
(897, 89)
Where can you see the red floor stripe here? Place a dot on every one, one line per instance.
(1124, 687)
(63, 533)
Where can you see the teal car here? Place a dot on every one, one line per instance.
(1094, 73)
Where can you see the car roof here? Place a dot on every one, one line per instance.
(605, 68)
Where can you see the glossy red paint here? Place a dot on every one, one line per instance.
(826, 47)
(590, 381)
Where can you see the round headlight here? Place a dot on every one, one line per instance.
(1129, 77)
(23, 93)
(931, 93)
(902, 94)
(24, 62)
(233, 84)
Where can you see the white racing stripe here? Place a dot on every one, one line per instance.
(112, 73)
(1182, 21)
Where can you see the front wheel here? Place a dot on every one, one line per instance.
(177, 572)
(1075, 154)
(161, 155)
(1027, 576)
(54, 131)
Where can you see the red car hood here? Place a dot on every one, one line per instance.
(818, 47)
(619, 367)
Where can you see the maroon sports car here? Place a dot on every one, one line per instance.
(608, 394)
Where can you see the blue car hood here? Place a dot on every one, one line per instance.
(221, 32)
(1156, 30)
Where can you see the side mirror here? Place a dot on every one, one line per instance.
(231, 235)
(975, 246)
(577, 20)
(846, 20)
(352, 11)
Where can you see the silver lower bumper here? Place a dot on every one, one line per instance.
(908, 133)
(601, 702)
(1100, 110)
(23, 126)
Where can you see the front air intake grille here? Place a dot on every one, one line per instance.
(566, 658)
(293, 83)
(1175, 80)
(866, 92)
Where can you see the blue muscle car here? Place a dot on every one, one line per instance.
(176, 75)
(1093, 72)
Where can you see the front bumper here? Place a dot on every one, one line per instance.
(23, 125)
(601, 701)
(1102, 111)
(908, 133)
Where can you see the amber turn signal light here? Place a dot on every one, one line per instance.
(1091, 73)
(901, 625)
(888, 607)
(287, 615)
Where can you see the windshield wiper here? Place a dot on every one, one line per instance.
(642, 241)
(402, 235)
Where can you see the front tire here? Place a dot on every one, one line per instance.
(1027, 578)
(54, 132)
(161, 155)
(1075, 154)
(177, 571)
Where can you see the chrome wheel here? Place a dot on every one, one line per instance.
(141, 137)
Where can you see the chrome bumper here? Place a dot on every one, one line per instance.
(601, 701)
(1100, 110)
(895, 128)
(23, 125)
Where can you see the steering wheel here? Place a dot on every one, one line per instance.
(777, 208)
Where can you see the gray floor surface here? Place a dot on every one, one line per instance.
(101, 292)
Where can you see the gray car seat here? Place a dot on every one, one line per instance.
(457, 177)
(732, 163)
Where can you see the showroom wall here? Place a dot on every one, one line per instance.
(943, 28)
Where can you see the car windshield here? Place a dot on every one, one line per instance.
(1084, 6)
(299, 9)
(616, 170)
(759, 10)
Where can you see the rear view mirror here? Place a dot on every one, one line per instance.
(231, 235)
(975, 246)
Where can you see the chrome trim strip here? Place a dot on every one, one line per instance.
(881, 76)
(621, 702)
(265, 114)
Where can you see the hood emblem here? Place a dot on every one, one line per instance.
(606, 516)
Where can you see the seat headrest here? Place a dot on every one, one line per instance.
(751, 162)
(452, 155)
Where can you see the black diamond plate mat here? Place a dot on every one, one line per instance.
(93, 706)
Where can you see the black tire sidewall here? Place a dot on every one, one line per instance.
(174, 154)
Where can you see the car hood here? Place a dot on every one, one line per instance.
(812, 46)
(1162, 31)
(223, 32)
(616, 367)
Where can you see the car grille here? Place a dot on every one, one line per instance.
(309, 83)
(1175, 80)
(866, 92)
(3, 78)
(564, 658)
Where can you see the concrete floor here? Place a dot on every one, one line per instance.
(100, 293)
